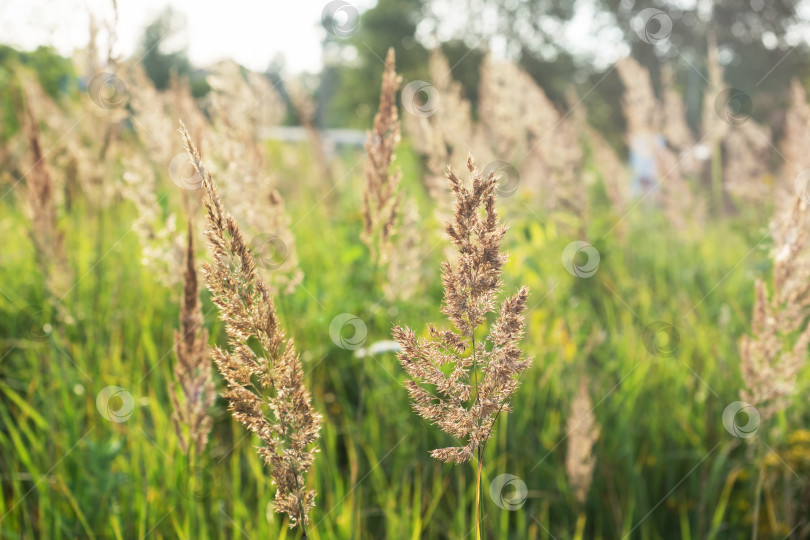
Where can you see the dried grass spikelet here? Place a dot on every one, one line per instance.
(305, 108)
(610, 168)
(45, 234)
(445, 135)
(404, 266)
(641, 109)
(466, 401)
(673, 113)
(152, 115)
(381, 198)
(643, 113)
(265, 393)
(242, 104)
(673, 123)
(501, 108)
(776, 349)
(533, 135)
(192, 372)
(796, 139)
(583, 432)
(746, 152)
(162, 245)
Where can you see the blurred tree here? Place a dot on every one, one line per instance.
(158, 60)
(353, 65)
(760, 45)
(54, 72)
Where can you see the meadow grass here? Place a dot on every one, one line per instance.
(664, 461)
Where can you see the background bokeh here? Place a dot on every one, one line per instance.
(654, 166)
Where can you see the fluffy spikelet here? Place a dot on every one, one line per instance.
(583, 431)
(444, 136)
(305, 108)
(192, 372)
(265, 393)
(796, 138)
(458, 382)
(776, 349)
(381, 200)
(643, 113)
(41, 209)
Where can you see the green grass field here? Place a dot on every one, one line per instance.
(666, 465)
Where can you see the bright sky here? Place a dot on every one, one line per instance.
(252, 32)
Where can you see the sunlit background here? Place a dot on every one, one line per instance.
(652, 161)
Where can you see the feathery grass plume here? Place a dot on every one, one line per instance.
(796, 139)
(305, 108)
(443, 135)
(610, 168)
(41, 209)
(468, 380)
(643, 113)
(381, 198)
(674, 127)
(242, 104)
(501, 108)
(583, 431)
(770, 364)
(673, 113)
(162, 245)
(746, 152)
(265, 393)
(192, 372)
(517, 114)
(404, 269)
